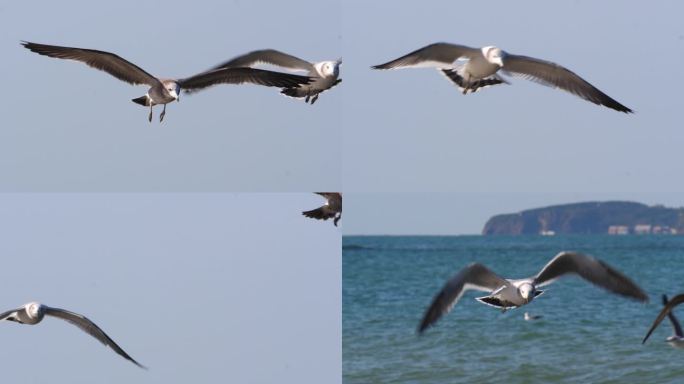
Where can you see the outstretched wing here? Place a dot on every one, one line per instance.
(556, 76)
(439, 55)
(475, 276)
(322, 213)
(668, 307)
(673, 320)
(268, 56)
(11, 313)
(91, 328)
(593, 270)
(114, 65)
(242, 76)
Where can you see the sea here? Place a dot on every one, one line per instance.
(584, 335)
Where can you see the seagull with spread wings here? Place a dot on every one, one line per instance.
(33, 313)
(513, 293)
(474, 68)
(164, 91)
(331, 209)
(324, 74)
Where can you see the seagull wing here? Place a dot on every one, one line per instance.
(675, 323)
(475, 276)
(89, 327)
(439, 55)
(556, 76)
(322, 213)
(330, 195)
(242, 76)
(668, 307)
(593, 270)
(268, 56)
(8, 314)
(114, 65)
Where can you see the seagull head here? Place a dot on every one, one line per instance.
(526, 291)
(34, 310)
(493, 54)
(329, 68)
(173, 88)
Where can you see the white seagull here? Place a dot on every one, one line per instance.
(33, 313)
(510, 293)
(331, 209)
(325, 74)
(474, 68)
(529, 317)
(164, 91)
(676, 340)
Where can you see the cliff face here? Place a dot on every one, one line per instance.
(585, 218)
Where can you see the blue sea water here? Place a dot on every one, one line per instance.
(586, 335)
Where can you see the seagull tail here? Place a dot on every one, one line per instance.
(142, 100)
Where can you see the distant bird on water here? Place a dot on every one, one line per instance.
(529, 317)
(676, 340)
(324, 74)
(164, 91)
(33, 313)
(513, 293)
(474, 68)
(331, 209)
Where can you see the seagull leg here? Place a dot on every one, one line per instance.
(336, 218)
(150, 116)
(314, 99)
(306, 100)
(161, 117)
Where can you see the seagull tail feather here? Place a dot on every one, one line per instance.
(142, 100)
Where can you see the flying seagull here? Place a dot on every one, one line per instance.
(33, 313)
(510, 293)
(331, 209)
(676, 340)
(324, 73)
(474, 68)
(164, 91)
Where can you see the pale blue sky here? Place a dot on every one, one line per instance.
(84, 133)
(197, 287)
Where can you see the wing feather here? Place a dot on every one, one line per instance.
(90, 328)
(668, 307)
(556, 76)
(474, 276)
(439, 55)
(242, 76)
(593, 270)
(105, 61)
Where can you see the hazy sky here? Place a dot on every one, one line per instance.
(83, 133)
(462, 213)
(197, 287)
(411, 130)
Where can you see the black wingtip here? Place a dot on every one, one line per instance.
(665, 299)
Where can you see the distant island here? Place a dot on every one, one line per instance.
(610, 217)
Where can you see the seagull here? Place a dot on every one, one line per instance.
(331, 209)
(529, 317)
(33, 313)
(324, 73)
(509, 293)
(164, 91)
(676, 340)
(472, 68)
